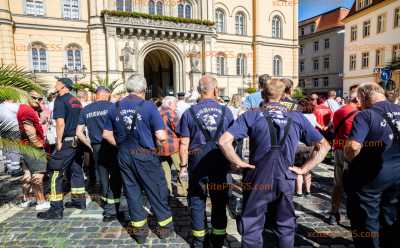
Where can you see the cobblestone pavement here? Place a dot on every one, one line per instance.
(84, 228)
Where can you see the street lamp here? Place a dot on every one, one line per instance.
(76, 74)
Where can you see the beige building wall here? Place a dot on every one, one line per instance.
(370, 44)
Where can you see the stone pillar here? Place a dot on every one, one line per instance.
(7, 50)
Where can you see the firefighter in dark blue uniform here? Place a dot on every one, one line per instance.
(269, 178)
(373, 178)
(93, 117)
(68, 156)
(138, 127)
(200, 128)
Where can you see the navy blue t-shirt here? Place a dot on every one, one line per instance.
(254, 124)
(209, 113)
(370, 129)
(93, 117)
(68, 108)
(148, 122)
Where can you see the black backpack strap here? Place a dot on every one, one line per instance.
(221, 124)
(272, 131)
(341, 123)
(286, 131)
(396, 133)
(203, 130)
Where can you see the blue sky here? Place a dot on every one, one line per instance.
(310, 8)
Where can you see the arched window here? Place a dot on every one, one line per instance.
(220, 20)
(185, 9)
(276, 27)
(71, 9)
(39, 57)
(221, 65)
(152, 7)
(241, 65)
(277, 63)
(240, 23)
(124, 5)
(160, 7)
(74, 57)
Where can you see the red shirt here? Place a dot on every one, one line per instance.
(324, 115)
(170, 120)
(345, 129)
(27, 114)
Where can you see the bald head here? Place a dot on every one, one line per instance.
(208, 87)
(274, 90)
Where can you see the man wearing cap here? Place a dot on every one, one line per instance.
(68, 155)
(93, 117)
(200, 128)
(138, 127)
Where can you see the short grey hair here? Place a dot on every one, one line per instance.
(167, 101)
(136, 84)
(366, 90)
(206, 84)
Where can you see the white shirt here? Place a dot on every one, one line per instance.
(8, 112)
(332, 104)
(181, 107)
(311, 118)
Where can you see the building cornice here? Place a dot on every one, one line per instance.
(236, 42)
(313, 35)
(367, 11)
(50, 18)
(276, 44)
(50, 27)
(360, 76)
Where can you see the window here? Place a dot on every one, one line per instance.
(39, 57)
(220, 65)
(74, 57)
(302, 83)
(353, 62)
(220, 20)
(326, 63)
(277, 64)
(185, 10)
(379, 57)
(152, 7)
(160, 7)
(34, 7)
(353, 33)
(365, 60)
(316, 64)
(312, 28)
(363, 4)
(124, 5)
(316, 46)
(366, 28)
(301, 49)
(276, 27)
(302, 31)
(396, 17)
(221, 91)
(327, 44)
(326, 82)
(240, 24)
(71, 9)
(302, 66)
(241, 65)
(396, 52)
(381, 24)
(316, 82)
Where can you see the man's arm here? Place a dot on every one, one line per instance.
(184, 150)
(30, 131)
(351, 149)
(60, 125)
(161, 136)
(82, 137)
(321, 149)
(109, 136)
(226, 145)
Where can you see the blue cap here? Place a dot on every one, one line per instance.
(67, 82)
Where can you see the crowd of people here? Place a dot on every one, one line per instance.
(133, 147)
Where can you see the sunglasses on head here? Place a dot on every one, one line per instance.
(37, 98)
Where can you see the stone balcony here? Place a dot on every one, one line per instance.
(140, 26)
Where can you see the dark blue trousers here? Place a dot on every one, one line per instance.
(141, 171)
(69, 161)
(109, 176)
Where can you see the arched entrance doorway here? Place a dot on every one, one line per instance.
(159, 74)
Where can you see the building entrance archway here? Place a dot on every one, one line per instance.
(159, 74)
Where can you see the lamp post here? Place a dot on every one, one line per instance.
(78, 73)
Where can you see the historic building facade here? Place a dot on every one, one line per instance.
(372, 41)
(171, 42)
(321, 41)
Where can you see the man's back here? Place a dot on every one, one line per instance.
(348, 111)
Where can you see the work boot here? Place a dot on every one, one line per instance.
(139, 233)
(75, 205)
(50, 214)
(217, 241)
(109, 218)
